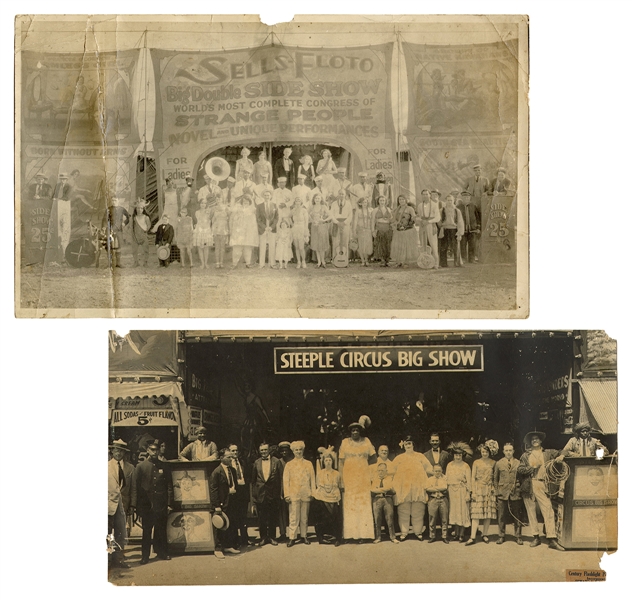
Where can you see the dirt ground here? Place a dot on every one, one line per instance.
(409, 562)
(175, 291)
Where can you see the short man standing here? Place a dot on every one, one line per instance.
(267, 219)
(223, 488)
(583, 444)
(435, 455)
(265, 486)
(200, 449)
(299, 483)
(382, 492)
(164, 237)
(152, 497)
(507, 486)
(120, 475)
(437, 490)
(532, 467)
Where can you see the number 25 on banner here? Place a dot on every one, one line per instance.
(498, 230)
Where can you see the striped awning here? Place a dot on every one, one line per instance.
(599, 404)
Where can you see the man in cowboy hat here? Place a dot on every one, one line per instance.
(534, 490)
(152, 498)
(223, 488)
(40, 189)
(120, 474)
(265, 491)
(582, 443)
(201, 449)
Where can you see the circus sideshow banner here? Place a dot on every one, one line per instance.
(78, 141)
(277, 94)
(450, 417)
(464, 131)
(149, 145)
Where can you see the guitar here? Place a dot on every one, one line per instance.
(341, 260)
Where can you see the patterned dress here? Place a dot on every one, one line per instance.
(405, 248)
(459, 485)
(357, 512)
(320, 228)
(483, 498)
(202, 235)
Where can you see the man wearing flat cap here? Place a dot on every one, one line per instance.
(201, 449)
(152, 498)
(534, 489)
(120, 474)
(583, 444)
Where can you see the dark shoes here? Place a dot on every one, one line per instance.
(555, 546)
(432, 540)
(445, 541)
(519, 541)
(485, 539)
(306, 541)
(273, 541)
(164, 557)
(291, 543)
(470, 542)
(536, 542)
(144, 561)
(500, 540)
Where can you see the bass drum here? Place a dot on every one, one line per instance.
(80, 253)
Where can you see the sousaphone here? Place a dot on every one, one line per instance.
(217, 168)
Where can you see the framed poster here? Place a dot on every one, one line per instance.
(190, 485)
(190, 531)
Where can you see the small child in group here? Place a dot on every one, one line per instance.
(284, 244)
(437, 490)
(184, 236)
(219, 227)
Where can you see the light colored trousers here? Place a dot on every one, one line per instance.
(431, 234)
(411, 510)
(268, 238)
(299, 511)
(238, 251)
(63, 225)
(539, 492)
(342, 238)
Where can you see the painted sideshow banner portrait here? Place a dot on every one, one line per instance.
(179, 167)
(467, 452)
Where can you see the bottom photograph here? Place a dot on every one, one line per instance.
(289, 457)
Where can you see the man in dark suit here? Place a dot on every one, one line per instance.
(40, 189)
(266, 482)
(242, 497)
(223, 488)
(164, 236)
(471, 226)
(152, 497)
(267, 219)
(285, 167)
(435, 455)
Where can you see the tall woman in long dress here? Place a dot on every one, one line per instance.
(357, 512)
(411, 474)
(483, 495)
(405, 247)
(459, 478)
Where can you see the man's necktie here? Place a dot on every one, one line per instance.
(583, 447)
(231, 483)
(381, 483)
(121, 475)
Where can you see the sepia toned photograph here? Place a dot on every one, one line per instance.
(182, 166)
(471, 451)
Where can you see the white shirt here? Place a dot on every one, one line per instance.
(265, 468)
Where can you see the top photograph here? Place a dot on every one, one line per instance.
(328, 167)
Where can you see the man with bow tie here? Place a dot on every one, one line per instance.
(285, 167)
(242, 496)
(435, 455)
(265, 489)
(267, 219)
(509, 500)
(120, 474)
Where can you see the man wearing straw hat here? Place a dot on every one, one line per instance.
(533, 469)
(120, 474)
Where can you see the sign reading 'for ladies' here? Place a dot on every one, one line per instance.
(376, 359)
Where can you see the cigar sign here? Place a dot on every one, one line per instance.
(378, 359)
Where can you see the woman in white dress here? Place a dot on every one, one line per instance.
(411, 474)
(170, 200)
(300, 231)
(326, 168)
(357, 512)
(202, 235)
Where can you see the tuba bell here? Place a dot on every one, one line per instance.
(217, 168)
